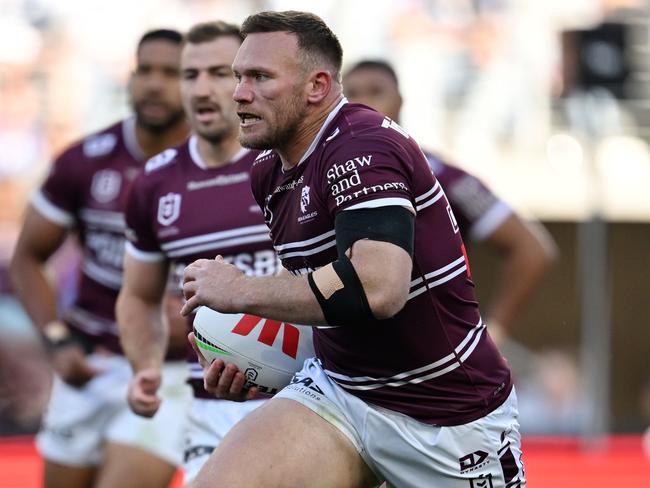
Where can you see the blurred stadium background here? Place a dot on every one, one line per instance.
(548, 102)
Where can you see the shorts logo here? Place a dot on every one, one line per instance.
(307, 383)
(483, 481)
(304, 199)
(472, 461)
(106, 185)
(270, 330)
(169, 208)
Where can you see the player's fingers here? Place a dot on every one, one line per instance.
(190, 305)
(147, 409)
(252, 393)
(212, 374)
(202, 361)
(150, 377)
(237, 387)
(189, 289)
(225, 381)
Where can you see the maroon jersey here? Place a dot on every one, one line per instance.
(180, 211)
(433, 361)
(87, 189)
(478, 211)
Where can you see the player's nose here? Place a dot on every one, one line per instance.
(243, 92)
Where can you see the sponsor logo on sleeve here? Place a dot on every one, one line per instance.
(99, 145)
(160, 160)
(106, 185)
(345, 179)
(169, 208)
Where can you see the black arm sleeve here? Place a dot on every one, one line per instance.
(388, 224)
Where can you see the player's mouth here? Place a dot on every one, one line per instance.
(154, 109)
(206, 113)
(248, 119)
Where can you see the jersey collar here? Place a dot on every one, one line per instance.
(130, 139)
(319, 136)
(193, 144)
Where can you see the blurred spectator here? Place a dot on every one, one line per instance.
(553, 400)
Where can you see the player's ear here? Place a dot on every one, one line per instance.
(319, 86)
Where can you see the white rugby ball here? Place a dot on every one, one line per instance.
(268, 352)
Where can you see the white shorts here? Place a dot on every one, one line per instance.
(407, 453)
(209, 422)
(79, 421)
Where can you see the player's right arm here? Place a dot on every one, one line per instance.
(39, 238)
(144, 334)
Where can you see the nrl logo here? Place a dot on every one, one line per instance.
(169, 208)
(106, 185)
(304, 199)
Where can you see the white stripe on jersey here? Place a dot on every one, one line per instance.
(437, 195)
(433, 370)
(490, 221)
(107, 277)
(418, 290)
(89, 322)
(145, 256)
(50, 211)
(429, 193)
(306, 243)
(438, 271)
(107, 220)
(309, 252)
(383, 202)
(218, 245)
(214, 236)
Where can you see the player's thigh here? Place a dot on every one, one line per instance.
(73, 426)
(284, 444)
(60, 476)
(208, 424)
(132, 467)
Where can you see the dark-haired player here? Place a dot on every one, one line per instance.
(525, 249)
(193, 201)
(89, 435)
(407, 386)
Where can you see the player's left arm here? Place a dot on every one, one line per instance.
(382, 268)
(527, 251)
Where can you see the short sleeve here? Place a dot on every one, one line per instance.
(483, 211)
(369, 172)
(142, 242)
(58, 198)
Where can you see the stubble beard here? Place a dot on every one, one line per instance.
(161, 126)
(289, 119)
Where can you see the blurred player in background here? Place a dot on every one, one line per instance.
(525, 248)
(407, 385)
(89, 436)
(191, 202)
